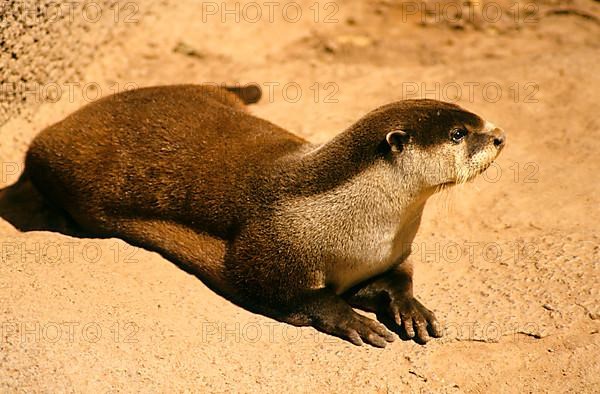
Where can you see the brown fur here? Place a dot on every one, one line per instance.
(187, 171)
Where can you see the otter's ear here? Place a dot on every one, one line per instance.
(396, 140)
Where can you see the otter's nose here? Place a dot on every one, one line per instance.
(499, 137)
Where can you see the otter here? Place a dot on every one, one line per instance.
(302, 233)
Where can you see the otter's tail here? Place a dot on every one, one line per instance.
(249, 94)
(23, 178)
(23, 206)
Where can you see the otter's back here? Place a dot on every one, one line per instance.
(187, 152)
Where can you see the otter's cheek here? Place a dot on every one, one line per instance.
(461, 166)
(442, 165)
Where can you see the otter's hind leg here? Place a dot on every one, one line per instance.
(249, 94)
(233, 96)
(198, 253)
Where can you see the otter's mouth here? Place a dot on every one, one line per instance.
(470, 178)
(481, 170)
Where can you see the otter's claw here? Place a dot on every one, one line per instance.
(359, 329)
(417, 321)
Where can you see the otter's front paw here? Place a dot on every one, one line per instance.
(411, 315)
(357, 329)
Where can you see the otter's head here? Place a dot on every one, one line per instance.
(433, 143)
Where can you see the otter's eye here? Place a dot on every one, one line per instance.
(457, 135)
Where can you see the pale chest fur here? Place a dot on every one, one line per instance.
(368, 253)
(355, 232)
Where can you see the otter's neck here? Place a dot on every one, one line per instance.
(327, 166)
(361, 181)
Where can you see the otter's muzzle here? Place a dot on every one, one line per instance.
(499, 137)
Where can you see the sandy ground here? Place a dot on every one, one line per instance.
(510, 263)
